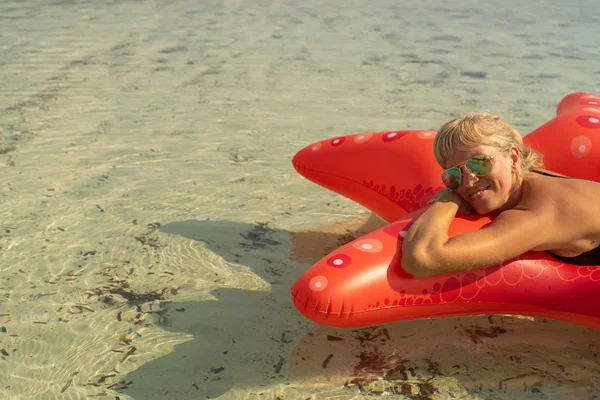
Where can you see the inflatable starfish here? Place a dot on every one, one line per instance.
(394, 174)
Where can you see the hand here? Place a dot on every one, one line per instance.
(448, 196)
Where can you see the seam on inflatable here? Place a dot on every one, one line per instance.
(306, 301)
(316, 308)
(329, 306)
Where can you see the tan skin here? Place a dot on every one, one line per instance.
(537, 213)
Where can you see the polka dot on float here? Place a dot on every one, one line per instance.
(316, 146)
(391, 136)
(362, 138)
(589, 121)
(318, 283)
(581, 146)
(337, 141)
(368, 245)
(426, 135)
(339, 261)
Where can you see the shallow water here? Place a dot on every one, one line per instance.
(151, 217)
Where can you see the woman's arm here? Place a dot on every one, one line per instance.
(429, 232)
(427, 249)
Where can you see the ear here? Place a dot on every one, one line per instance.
(515, 157)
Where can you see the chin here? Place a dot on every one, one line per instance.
(483, 209)
(489, 204)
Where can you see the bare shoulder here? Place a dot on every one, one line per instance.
(559, 191)
(568, 208)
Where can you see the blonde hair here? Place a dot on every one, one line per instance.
(483, 129)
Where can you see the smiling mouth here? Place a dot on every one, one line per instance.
(479, 192)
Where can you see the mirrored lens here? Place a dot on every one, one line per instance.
(451, 178)
(479, 165)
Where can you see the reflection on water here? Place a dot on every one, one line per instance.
(152, 224)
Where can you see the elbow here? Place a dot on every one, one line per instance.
(417, 263)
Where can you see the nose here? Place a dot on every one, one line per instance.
(468, 177)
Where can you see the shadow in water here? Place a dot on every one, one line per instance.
(237, 341)
(253, 340)
(242, 338)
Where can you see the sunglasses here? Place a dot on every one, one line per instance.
(479, 165)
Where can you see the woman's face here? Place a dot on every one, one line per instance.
(498, 189)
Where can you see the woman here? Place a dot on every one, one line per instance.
(488, 170)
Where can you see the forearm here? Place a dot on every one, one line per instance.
(430, 230)
(422, 248)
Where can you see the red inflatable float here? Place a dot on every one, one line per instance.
(394, 174)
